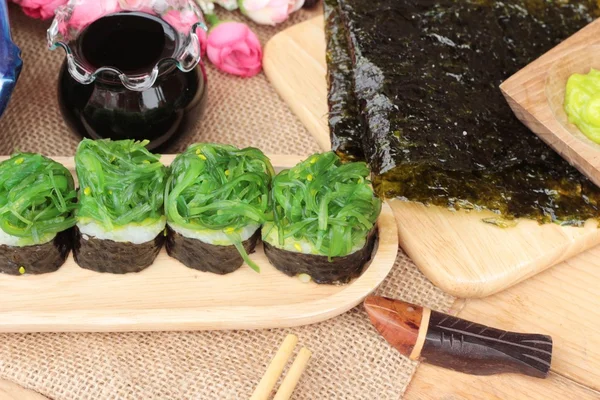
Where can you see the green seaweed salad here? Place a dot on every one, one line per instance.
(37, 199)
(120, 182)
(322, 206)
(219, 188)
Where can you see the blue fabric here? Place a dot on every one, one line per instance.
(10, 59)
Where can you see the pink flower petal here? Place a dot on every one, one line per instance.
(214, 55)
(88, 11)
(227, 33)
(253, 5)
(181, 21)
(43, 9)
(268, 12)
(233, 48)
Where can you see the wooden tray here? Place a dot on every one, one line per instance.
(455, 250)
(170, 296)
(536, 94)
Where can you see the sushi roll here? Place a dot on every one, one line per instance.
(216, 202)
(37, 201)
(120, 216)
(324, 220)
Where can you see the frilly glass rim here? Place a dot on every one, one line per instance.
(186, 56)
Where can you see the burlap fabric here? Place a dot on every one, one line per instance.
(351, 361)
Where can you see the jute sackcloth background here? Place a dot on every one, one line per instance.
(350, 360)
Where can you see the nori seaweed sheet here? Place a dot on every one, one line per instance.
(427, 76)
(37, 259)
(207, 257)
(322, 270)
(115, 257)
(345, 126)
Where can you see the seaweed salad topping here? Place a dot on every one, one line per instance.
(439, 131)
(120, 183)
(37, 199)
(322, 206)
(219, 188)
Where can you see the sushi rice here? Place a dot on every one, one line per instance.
(216, 237)
(16, 241)
(136, 233)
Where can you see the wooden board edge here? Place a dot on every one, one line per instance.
(542, 120)
(466, 288)
(314, 123)
(431, 382)
(519, 76)
(12, 391)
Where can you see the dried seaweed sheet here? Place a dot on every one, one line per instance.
(344, 118)
(427, 76)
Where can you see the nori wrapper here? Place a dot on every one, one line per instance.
(206, 257)
(345, 125)
(115, 257)
(427, 76)
(37, 259)
(338, 270)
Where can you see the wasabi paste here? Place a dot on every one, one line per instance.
(582, 103)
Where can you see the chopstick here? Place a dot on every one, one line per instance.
(275, 369)
(269, 379)
(293, 376)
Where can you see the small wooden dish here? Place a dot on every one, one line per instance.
(536, 95)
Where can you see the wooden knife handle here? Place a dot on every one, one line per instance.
(457, 344)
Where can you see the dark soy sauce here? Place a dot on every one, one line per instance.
(130, 42)
(133, 43)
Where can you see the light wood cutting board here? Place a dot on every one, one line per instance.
(168, 296)
(456, 250)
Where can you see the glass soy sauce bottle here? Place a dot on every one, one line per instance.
(131, 73)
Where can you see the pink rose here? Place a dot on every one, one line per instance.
(267, 12)
(295, 5)
(235, 49)
(183, 22)
(42, 9)
(88, 11)
(131, 5)
(203, 39)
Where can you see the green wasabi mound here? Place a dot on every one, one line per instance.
(37, 199)
(217, 190)
(323, 207)
(120, 183)
(582, 103)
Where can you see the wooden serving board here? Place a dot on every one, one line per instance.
(170, 296)
(456, 250)
(563, 302)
